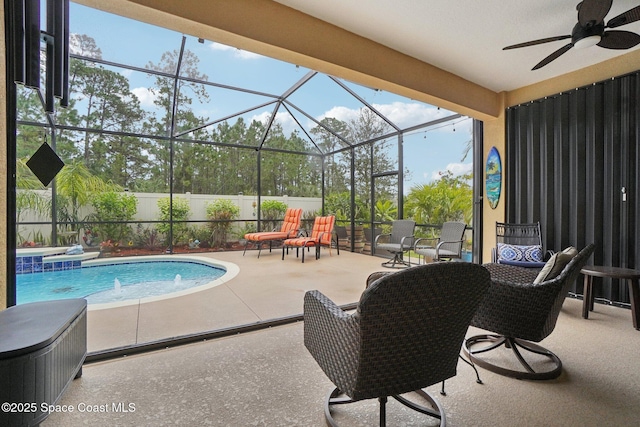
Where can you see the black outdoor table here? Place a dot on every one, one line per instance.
(632, 276)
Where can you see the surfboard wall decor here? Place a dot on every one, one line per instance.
(493, 177)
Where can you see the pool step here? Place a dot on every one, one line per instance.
(78, 257)
(50, 260)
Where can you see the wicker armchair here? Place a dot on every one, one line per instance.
(520, 311)
(405, 335)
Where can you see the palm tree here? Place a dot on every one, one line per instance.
(75, 187)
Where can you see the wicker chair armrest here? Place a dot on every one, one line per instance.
(511, 274)
(332, 336)
(317, 305)
(375, 276)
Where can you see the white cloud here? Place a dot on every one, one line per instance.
(403, 114)
(145, 96)
(408, 114)
(341, 113)
(456, 169)
(284, 119)
(237, 53)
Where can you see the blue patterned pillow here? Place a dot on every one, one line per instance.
(519, 253)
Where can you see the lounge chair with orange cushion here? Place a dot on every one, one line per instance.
(289, 229)
(321, 235)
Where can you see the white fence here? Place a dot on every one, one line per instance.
(147, 209)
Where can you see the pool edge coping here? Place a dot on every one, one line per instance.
(232, 271)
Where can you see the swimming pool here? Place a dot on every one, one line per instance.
(126, 280)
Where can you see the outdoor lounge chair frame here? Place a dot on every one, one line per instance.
(290, 228)
(322, 233)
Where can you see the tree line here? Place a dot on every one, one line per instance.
(107, 131)
(106, 128)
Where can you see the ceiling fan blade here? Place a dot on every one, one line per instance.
(629, 16)
(593, 10)
(553, 56)
(535, 42)
(619, 40)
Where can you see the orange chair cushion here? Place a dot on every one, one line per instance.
(322, 228)
(320, 234)
(289, 228)
(265, 236)
(291, 222)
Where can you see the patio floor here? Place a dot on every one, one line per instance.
(266, 288)
(268, 378)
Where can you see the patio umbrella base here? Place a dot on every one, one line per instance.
(516, 345)
(434, 410)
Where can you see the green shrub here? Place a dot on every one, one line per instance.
(339, 204)
(113, 206)
(181, 212)
(222, 212)
(202, 233)
(272, 212)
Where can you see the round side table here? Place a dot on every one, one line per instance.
(632, 277)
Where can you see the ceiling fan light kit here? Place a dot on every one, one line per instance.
(583, 37)
(591, 30)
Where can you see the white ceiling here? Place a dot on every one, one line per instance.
(466, 37)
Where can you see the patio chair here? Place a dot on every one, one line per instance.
(289, 228)
(405, 335)
(519, 244)
(400, 240)
(321, 235)
(521, 306)
(447, 246)
(341, 237)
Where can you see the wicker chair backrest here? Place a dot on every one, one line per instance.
(412, 324)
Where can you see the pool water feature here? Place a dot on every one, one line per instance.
(140, 278)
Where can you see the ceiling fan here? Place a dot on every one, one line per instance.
(591, 30)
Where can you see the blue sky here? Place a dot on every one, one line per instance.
(427, 152)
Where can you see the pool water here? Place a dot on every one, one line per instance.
(115, 282)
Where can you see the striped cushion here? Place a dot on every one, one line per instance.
(321, 233)
(289, 228)
(267, 235)
(291, 222)
(300, 242)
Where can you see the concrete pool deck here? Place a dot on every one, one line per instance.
(265, 288)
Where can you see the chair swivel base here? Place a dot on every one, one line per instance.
(336, 397)
(396, 262)
(516, 345)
